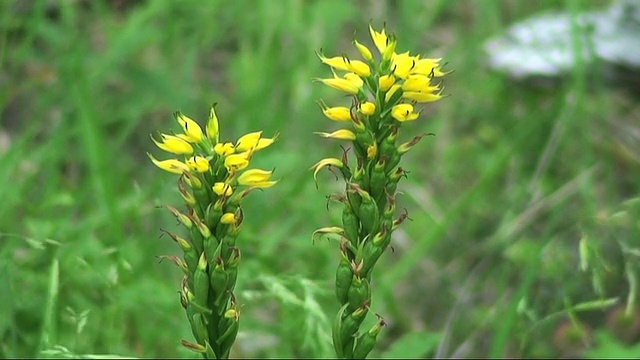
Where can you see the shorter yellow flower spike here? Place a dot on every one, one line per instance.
(222, 189)
(325, 162)
(228, 218)
(403, 112)
(379, 39)
(198, 164)
(386, 81)
(367, 108)
(391, 91)
(171, 165)
(422, 97)
(213, 127)
(224, 149)
(342, 134)
(174, 145)
(364, 51)
(192, 131)
(337, 113)
(236, 161)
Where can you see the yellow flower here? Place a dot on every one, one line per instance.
(253, 141)
(342, 134)
(430, 67)
(192, 131)
(337, 113)
(343, 63)
(174, 144)
(355, 79)
(326, 162)
(198, 164)
(256, 178)
(343, 84)
(224, 149)
(222, 189)
(213, 128)
(421, 97)
(364, 51)
(403, 112)
(236, 161)
(379, 39)
(418, 83)
(367, 108)
(386, 81)
(171, 165)
(372, 150)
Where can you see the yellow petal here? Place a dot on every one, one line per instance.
(336, 62)
(224, 149)
(367, 108)
(379, 39)
(222, 189)
(326, 162)
(191, 128)
(236, 161)
(403, 112)
(248, 141)
(342, 134)
(171, 165)
(386, 81)
(253, 176)
(364, 51)
(198, 164)
(174, 145)
(336, 113)
(422, 97)
(228, 218)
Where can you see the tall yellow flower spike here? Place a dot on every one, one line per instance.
(214, 179)
(383, 95)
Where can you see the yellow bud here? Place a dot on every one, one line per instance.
(222, 189)
(364, 51)
(342, 134)
(198, 164)
(174, 145)
(403, 112)
(367, 108)
(228, 218)
(253, 176)
(171, 165)
(213, 127)
(248, 141)
(236, 161)
(386, 81)
(391, 91)
(224, 149)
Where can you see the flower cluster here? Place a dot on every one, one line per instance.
(384, 95)
(214, 179)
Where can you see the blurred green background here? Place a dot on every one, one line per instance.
(516, 181)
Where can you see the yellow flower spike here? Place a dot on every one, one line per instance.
(386, 81)
(224, 149)
(325, 162)
(253, 176)
(364, 51)
(422, 97)
(419, 83)
(342, 134)
(379, 39)
(337, 113)
(237, 161)
(367, 108)
(174, 145)
(228, 218)
(391, 91)
(171, 165)
(192, 131)
(403, 112)
(213, 127)
(198, 164)
(222, 189)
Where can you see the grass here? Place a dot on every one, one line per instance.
(499, 199)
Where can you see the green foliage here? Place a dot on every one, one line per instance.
(498, 200)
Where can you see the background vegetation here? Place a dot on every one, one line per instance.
(499, 199)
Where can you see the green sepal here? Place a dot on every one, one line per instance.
(359, 293)
(350, 223)
(350, 325)
(378, 180)
(201, 281)
(337, 331)
(219, 282)
(209, 351)
(367, 341)
(369, 214)
(199, 328)
(344, 277)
